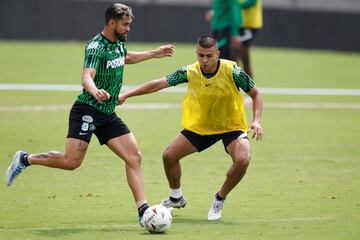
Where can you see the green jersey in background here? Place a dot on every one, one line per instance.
(226, 14)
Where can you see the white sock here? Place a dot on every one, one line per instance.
(175, 193)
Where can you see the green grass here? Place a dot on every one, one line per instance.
(302, 183)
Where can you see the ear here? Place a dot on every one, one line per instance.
(112, 23)
(218, 53)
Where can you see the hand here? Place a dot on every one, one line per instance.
(165, 51)
(236, 42)
(258, 132)
(121, 99)
(208, 15)
(101, 95)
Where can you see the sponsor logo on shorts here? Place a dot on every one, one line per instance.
(85, 126)
(87, 118)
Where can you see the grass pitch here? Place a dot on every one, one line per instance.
(302, 183)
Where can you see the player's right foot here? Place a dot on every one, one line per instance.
(15, 167)
(174, 202)
(141, 221)
(141, 211)
(216, 209)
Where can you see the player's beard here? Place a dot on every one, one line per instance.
(122, 38)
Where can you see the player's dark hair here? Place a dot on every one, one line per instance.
(117, 11)
(207, 42)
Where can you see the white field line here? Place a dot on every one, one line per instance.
(152, 106)
(178, 89)
(122, 226)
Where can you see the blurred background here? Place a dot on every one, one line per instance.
(314, 24)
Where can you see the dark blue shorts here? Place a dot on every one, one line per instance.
(84, 120)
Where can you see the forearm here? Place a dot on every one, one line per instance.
(149, 87)
(257, 107)
(135, 57)
(88, 84)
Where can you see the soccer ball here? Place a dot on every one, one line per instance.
(157, 219)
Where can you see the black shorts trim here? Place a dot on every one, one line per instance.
(85, 120)
(202, 142)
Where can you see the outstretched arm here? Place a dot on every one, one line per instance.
(149, 87)
(162, 51)
(258, 132)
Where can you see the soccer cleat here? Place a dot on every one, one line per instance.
(15, 167)
(142, 209)
(215, 210)
(168, 203)
(141, 221)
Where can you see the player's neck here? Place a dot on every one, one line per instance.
(211, 71)
(109, 35)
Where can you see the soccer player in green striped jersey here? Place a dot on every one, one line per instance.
(94, 110)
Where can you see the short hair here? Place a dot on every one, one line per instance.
(207, 42)
(117, 11)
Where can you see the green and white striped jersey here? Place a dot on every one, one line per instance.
(108, 58)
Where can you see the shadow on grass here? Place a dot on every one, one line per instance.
(118, 229)
(81, 233)
(193, 221)
(79, 230)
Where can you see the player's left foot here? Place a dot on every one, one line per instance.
(15, 167)
(174, 202)
(216, 209)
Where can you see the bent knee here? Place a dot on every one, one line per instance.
(134, 160)
(242, 161)
(72, 163)
(167, 155)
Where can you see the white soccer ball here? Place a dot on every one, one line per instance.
(157, 219)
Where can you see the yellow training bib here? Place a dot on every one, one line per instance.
(213, 105)
(252, 16)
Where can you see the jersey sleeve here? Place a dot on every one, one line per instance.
(94, 54)
(247, 3)
(178, 77)
(242, 80)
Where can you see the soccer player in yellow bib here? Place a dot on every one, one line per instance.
(213, 110)
(251, 11)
